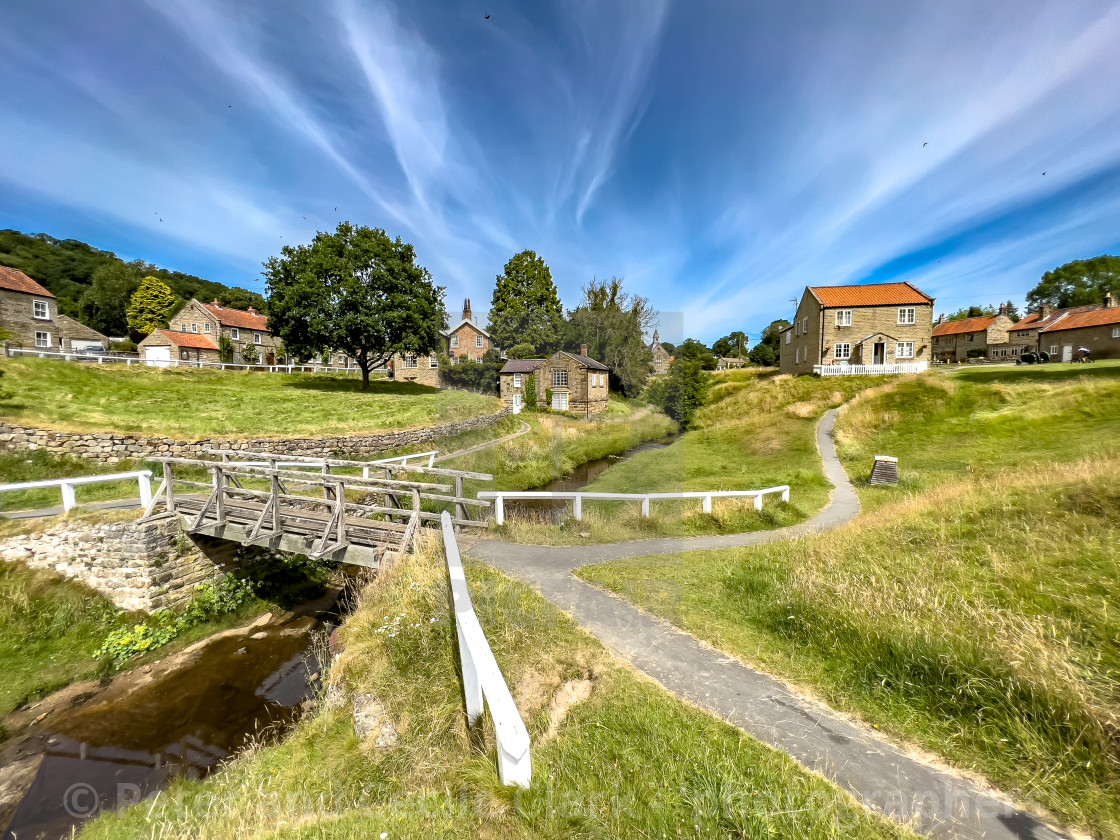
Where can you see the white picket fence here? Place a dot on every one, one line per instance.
(181, 363)
(577, 497)
(870, 370)
(482, 678)
(67, 485)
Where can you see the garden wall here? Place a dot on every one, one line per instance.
(110, 448)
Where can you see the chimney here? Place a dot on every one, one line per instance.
(217, 304)
(1045, 311)
(941, 318)
(1109, 300)
(467, 311)
(583, 350)
(1003, 309)
(252, 311)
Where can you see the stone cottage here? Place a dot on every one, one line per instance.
(30, 314)
(163, 346)
(987, 336)
(213, 321)
(1096, 330)
(874, 324)
(576, 383)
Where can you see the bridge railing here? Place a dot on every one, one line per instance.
(324, 465)
(577, 497)
(142, 477)
(482, 678)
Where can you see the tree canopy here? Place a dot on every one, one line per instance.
(104, 304)
(613, 323)
(972, 312)
(768, 351)
(733, 345)
(151, 306)
(682, 392)
(698, 352)
(356, 291)
(1076, 283)
(525, 308)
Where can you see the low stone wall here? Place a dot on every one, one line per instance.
(111, 448)
(137, 566)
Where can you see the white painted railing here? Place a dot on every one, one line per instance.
(72, 356)
(181, 363)
(482, 678)
(67, 485)
(870, 370)
(500, 496)
(308, 463)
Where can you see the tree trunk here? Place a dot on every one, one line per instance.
(363, 363)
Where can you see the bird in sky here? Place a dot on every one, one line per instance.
(303, 217)
(1043, 173)
(925, 144)
(336, 209)
(488, 17)
(161, 220)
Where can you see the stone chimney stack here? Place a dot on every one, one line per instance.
(583, 350)
(941, 318)
(1045, 311)
(252, 311)
(467, 311)
(1109, 300)
(1003, 309)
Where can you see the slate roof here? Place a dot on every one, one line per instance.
(586, 362)
(193, 340)
(15, 280)
(238, 317)
(521, 365)
(965, 325)
(875, 294)
(1094, 318)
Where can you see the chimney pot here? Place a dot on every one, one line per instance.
(1046, 310)
(941, 318)
(1003, 309)
(1109, 300)
(583, 350)
(252, 311)
(467, 315)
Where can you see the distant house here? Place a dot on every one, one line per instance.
(1096, 329)
(987, 336)
(576, 383)
(164, 346)
(242, 327)
(467, 338)
(30, 314)
(661, 358)
(874, 324)
(420, 368)
(730, 363)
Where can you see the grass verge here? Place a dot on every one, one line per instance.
(213, 403)
(617, 758)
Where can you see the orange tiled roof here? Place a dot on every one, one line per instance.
(238, 317)
(1094, 318)
(182, 339)
(15, 280)
(965, 325)
(875, 294)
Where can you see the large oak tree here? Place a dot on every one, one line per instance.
(356, 291)
(1076, 283)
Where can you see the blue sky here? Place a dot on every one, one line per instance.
(718, 156)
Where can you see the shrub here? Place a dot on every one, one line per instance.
(531, 392)
(225, 349)
(124, 346)
(481, 377)
(521, 351)
(249, 354)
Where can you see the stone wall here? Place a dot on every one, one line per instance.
(111, 448)
(138, 566)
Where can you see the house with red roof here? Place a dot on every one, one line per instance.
(986, 336)
(209, 323)
(29, 313)
(1065, 332)
(873, 324)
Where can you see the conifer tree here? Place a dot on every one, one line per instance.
(150, 307)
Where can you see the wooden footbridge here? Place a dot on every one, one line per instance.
(314, 506)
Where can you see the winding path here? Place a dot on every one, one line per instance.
(884, 777)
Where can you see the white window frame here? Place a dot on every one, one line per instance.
(454, 341)
(843, 350)
(410, 361)
(194, 328)
(797, 356)
(257, 338)
(907, 315)
(789, 336)
(235, 333)
(559, 378)
(35, 310)
(206, 327)
(560, 401)
(517, 380)
(1116, 332)
(843, 317)
(433, 361)
(805, 325)
(478, 341)
(45, 342)
(900, 353)
(1054, 349)
(183, 327)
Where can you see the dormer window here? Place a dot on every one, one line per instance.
(41, 310)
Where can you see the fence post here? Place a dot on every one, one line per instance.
(785, 495)
(645, 507)
(432, 459)
(499, 509)
(170, 504)
(758, 501)
(460, 509)
(708, 504)
(578, 507)
(145, 482)
(68, 500)
(472, 686)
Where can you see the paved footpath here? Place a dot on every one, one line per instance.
(885, 778)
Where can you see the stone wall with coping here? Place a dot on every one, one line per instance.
(136, 565)
(111, 448)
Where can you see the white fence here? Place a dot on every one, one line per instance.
(142, 477)
(306, 462)
(182, 363)
(870, 370)
(482, 678)
(500, 496)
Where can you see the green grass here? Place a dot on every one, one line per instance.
(972, 610)
(208, 403)
(628, 761)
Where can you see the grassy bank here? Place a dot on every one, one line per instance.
(757, 430)
(613, 755)
(211, 403)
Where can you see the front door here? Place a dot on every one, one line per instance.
(879, 353)
(1067, 352)
(516, 403)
